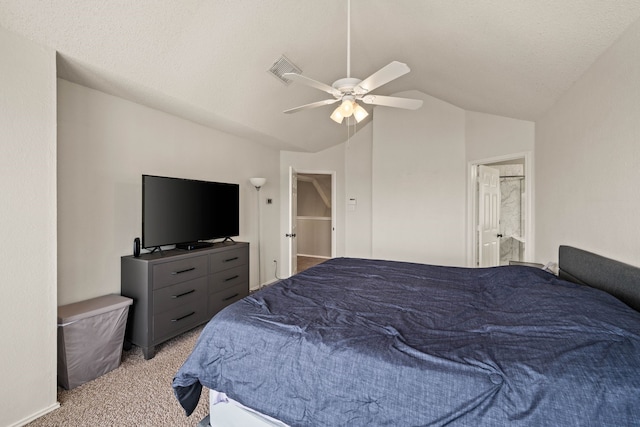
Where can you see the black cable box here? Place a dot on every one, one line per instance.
(194, 245)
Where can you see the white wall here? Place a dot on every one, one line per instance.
(27, 229)
(588, 160)
(419, 183)
(489, 136)
(358, 172)
(105, 144)
(435, 142)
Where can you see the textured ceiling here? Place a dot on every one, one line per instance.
(207, 60)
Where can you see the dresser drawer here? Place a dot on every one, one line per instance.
(228, 278)
(180, 294)
(179, 319)
(219, 300)
(228, 259)
(169, 273)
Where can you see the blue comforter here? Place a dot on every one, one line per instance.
(354, 342)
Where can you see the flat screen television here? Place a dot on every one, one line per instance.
(183, 212)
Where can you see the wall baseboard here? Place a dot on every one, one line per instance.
(36, 415)
(315, 256)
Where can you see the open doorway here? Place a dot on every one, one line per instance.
(515, 230)
(314, 219)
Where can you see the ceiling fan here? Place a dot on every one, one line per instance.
(348, 90)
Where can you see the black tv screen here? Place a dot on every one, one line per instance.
(179, 211)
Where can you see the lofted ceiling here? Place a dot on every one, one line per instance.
(207, 60)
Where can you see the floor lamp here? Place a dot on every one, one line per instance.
(258, 183)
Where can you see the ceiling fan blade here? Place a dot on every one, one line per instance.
(312, 105)
(392, 101)
(383, 76)
(313, 83)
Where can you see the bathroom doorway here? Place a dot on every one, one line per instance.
(515, 232)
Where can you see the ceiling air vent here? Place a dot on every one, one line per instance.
(282, 66)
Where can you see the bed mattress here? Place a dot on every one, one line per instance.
(364, 342)
(226, 412)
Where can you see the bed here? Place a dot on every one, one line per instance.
(369, 342)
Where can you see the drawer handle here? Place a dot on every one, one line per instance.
(183, 271)
(183, 294)
(231, 278)
(231, 297)
(183, 317)
(231, 259)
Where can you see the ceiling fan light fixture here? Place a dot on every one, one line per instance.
(346, 90)
(336, 116)
(346, 108)
(359, 113)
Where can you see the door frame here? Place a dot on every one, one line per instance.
(333, 208)
(472, 204)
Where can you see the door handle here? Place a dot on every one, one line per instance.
(498, 235)
(290, 235)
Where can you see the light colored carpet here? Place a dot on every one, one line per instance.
(138, 393)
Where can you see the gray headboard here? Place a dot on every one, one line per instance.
(619, 279)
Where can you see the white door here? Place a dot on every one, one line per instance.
(293, 219)
(488, 217)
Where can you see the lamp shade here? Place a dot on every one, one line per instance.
(258, 182)
(349, 108)
(346, 108)
(359, 113)
(336, 116)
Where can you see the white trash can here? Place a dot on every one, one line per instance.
(90, 337)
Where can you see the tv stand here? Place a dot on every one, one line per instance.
(176, 290)
(194, 245)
